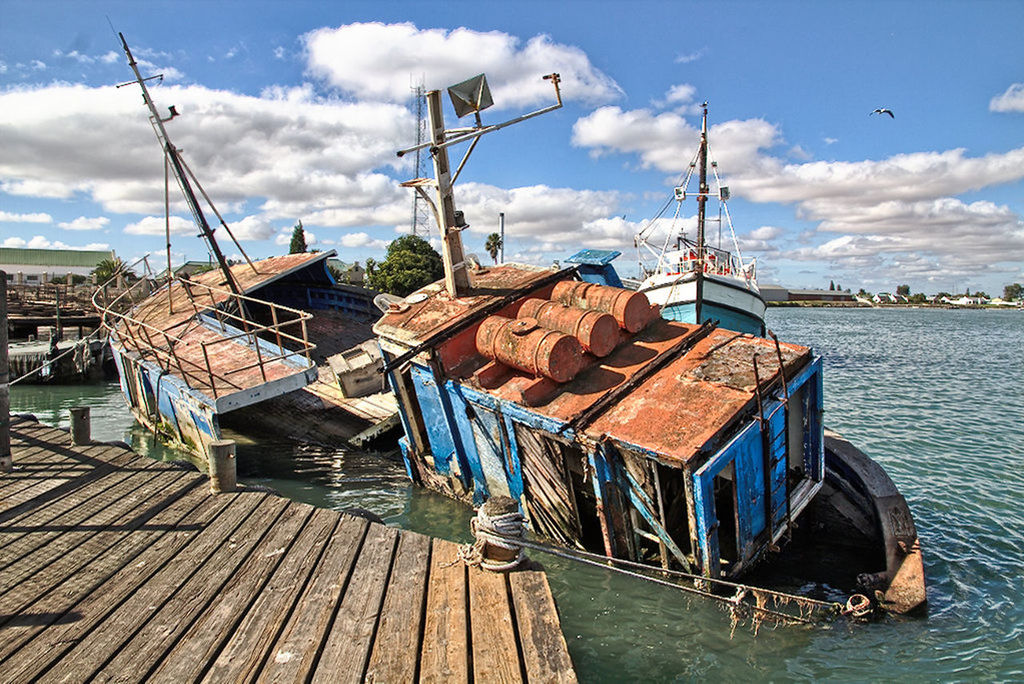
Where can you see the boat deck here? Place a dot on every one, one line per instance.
(115, 566)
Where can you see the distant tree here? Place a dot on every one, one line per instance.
(919, 298)
(863, 293)
(493, 246)
(903, 290)
(967, 292)
(839, 288)
(831, 286)
(1015, 291)
(108, 268)
(410, 264)
(298, 243)
(982, 294)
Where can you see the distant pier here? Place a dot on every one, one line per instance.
(116, 566)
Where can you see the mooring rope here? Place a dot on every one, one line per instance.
(50, 362)
(507, 531)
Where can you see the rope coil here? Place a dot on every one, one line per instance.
(505, 531)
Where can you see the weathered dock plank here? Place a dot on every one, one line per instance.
(92, 652)
(445, 654)
(194, 650)
(494, 634)
(298, 647)
(398, 633)
(118, 568)
(248, 647)
(349, 639)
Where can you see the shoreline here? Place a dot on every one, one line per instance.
(812, 304)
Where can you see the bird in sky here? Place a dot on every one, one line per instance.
(882, 110)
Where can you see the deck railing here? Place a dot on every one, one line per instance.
(154, 324)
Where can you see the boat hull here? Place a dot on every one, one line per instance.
(730, 301)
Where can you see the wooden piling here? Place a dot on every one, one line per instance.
(223, 474)
(6, 462)
(81, 427)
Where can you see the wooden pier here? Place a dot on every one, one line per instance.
(117, 567)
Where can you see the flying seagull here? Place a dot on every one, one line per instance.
(882, 110)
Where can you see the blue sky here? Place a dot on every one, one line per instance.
(293, 110)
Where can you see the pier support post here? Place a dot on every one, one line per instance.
(223, 476)
(6, 463)
(81, 428)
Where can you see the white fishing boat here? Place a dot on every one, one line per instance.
(691, 280)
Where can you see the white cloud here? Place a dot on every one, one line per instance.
(279, 52)
(298, 154)
(1012, 100)
(85, 223)
(681, 94)
(887, 213)
(353, 240)
(381, 61)
(157, 225)
(691, 57)
(43, 242)
(252, 228)
(38, 217)
(284, 237)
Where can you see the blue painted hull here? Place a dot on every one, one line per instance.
(729, 319)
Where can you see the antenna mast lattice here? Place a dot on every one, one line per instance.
(422, 218)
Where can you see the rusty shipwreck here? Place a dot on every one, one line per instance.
(250, 346)
(681, 445)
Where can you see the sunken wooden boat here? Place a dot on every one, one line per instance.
(237, 346)
(682, 445)
(195, 358)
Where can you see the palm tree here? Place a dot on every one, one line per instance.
(108, 268)
(493, 246)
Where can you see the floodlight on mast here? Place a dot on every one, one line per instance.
(469, 97)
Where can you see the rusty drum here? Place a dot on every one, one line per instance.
(525, 345)
(597, 332)
(631, 309)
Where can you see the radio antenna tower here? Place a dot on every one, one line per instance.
(422, 220)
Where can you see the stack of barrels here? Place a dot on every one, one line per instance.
(550, 337)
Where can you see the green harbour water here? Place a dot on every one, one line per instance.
(935, 396)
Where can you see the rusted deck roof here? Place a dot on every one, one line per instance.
(679, 408)
(154, 310)
(437, 313)
(214, 362)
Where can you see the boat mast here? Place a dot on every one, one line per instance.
(176, 164)
(702, 198)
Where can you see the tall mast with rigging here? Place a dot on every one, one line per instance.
(702, 198)
(178, 167)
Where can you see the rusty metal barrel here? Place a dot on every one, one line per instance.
(596, 331)
(631, 309)
(526, 346)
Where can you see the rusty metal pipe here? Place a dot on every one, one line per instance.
(631, 309)
(597, 332)
(524, 345)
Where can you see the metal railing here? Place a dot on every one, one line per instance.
(125, 318)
